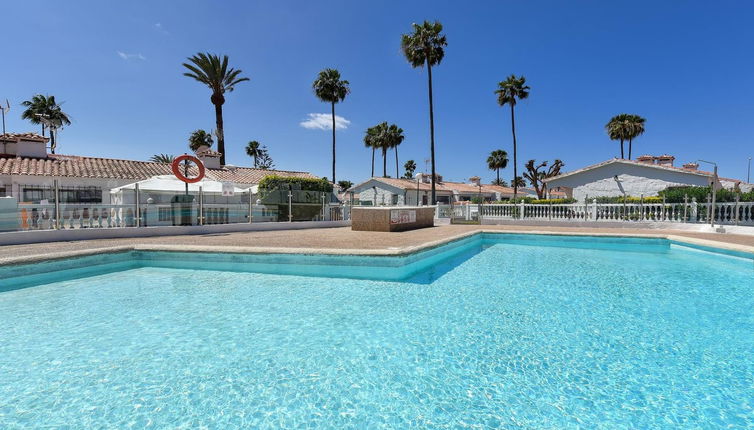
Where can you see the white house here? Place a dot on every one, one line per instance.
(379, 191)
(28, 171)
(647, 176)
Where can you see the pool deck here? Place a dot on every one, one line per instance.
(339, 241)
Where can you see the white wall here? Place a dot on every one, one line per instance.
(14, 183)
(634, 181)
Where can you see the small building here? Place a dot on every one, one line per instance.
(379, 191)
(28, 172)
(647, 175)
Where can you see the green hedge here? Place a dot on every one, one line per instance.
(676, 194)
(273, 182)
(553, 201)
(628, 199)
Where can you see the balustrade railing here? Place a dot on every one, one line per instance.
(729, 213)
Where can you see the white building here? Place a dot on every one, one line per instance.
(647, 176)
(379, 191)
(28, 172)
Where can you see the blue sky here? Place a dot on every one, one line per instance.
(686, 66)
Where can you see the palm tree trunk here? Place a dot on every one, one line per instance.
(515, 164)
(621, 149)
(52, 142)
(373, 162)
(397, 173)
(333, 142)
(630, 141)
(498, 176)
(384, 162)
(220, 132)
(255, 162)
(432, 133)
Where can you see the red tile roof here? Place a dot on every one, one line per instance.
(109, 168)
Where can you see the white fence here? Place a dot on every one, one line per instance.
(69, 216)
(730, 213)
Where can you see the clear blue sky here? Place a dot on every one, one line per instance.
(686, 66)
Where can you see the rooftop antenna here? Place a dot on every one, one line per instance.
(4, 109)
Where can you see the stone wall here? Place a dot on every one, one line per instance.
(378, 219)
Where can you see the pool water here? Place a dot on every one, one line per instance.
(540, 333)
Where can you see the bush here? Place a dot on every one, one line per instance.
(676, 194)
(273, 182)
(553, 201)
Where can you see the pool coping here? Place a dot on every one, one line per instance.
(402, 251)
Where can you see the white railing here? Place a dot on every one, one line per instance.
(730, 213)
(70, 216)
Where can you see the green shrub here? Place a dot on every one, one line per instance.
(553, 201)
(676, 194)
(628, 199)
(273, 182)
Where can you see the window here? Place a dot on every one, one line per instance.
(394, 199)
(164, 214)
(35, 194)
(2, 192)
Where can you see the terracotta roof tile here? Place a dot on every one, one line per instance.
(109, 168)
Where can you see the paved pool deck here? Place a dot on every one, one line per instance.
(339, 240)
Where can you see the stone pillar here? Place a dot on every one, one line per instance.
(694, 210)
(593, 215)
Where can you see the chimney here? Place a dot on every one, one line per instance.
(29, 145)
(646, 159)
(210, 158)
(665, 160)
(476, 181)
(691, 166)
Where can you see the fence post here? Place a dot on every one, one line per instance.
(710, 215)
(137, 212)
(57, 205)
(662, 211)
(738, 198)
(641, 207)
(251, 205)
(685, 204)
(323, 206)
(594, 209)
(201, 207)
(521, 215)
(549, 209)
(694, 209)
(290, 206)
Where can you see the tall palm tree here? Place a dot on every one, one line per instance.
(370, 142)
(383, 137)
(518, 182)
(329, 88)
(497, 160)
(426, 46)
(618, 128)
(162, 158)
(213, 72)
(509, 92)
(46, 111)
(254, 150)
(199, 138)
(635, 129)
(395, 135)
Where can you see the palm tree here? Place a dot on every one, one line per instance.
(383, 136)
(344, 184)
(518, 182)
(199, 138)
(265, 161)
(618, 129)
(635, 129)
(329, 88)
(254, 150)
(162, 158)
(213, 72)
(46, 111)
(497, 160)
(410, 168)
(426, 46)
(395, 136)
(509, 92)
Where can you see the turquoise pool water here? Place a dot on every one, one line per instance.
(492, 332)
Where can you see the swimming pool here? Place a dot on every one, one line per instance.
(491, 331)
